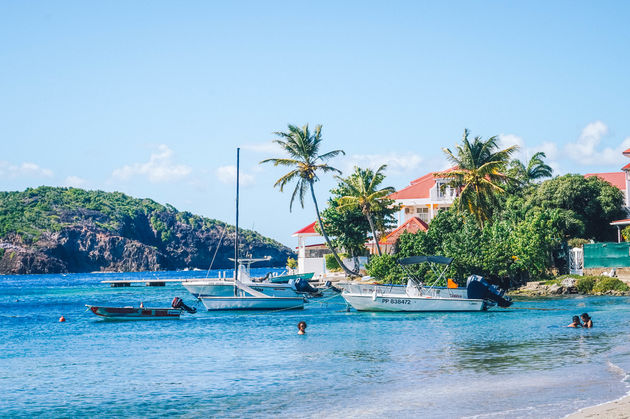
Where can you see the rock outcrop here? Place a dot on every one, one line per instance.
(119, 233)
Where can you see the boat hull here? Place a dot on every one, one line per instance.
(213, 303)
(283, 279)
(135, 313)
(405, 303)
(395, 289)
(226, 289)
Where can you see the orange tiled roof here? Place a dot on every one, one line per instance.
(617, 179)
(419, 188)
(412, 225)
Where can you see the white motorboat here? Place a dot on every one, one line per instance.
(478, 295)
(247, 298)
(224, 287)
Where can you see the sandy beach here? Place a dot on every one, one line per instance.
(616, 409)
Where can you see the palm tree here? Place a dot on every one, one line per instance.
(536, 169)
(479, 174)
(363, 193)
(302, 146)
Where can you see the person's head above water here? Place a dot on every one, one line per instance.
(576, 320)
(585, 317)
(302, 327)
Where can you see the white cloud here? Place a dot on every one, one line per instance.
(75, 181)
(25, 169)
(397, 163)
(159, 168)
(227, 175)
(585, 149)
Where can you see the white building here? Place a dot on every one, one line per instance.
(423, 198)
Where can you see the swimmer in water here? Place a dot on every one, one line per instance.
(576, 322)
(302, 328)
(586, 320)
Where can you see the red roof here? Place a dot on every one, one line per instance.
(626, 167)
(419, 188)
(617, 179)
(621, 222)
(309, 229)
(626, 153)
(412, 225)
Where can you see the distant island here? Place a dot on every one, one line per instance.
(63, 230)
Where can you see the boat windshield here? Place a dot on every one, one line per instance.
(412, 260)
(433, 262)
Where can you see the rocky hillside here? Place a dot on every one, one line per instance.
(58, 230)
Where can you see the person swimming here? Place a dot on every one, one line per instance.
(302, 328)
(586, 320)
(576, 322)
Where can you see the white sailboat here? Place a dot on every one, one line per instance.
(478, 295)
(225, 286)
(243, 296)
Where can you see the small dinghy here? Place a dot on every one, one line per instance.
(143, 313)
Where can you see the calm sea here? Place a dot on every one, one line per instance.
(519, 362)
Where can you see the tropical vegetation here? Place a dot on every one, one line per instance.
(479, 175)
(302, 147)
(363, 193)
(508, 224)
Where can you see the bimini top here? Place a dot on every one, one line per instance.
(411, 260)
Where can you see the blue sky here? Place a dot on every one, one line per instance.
(152, 98)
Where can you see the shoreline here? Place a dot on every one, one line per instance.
(615, 409)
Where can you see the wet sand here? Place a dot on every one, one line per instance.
(616, 409)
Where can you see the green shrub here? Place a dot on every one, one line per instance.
(292, 263)
(331, 263)
(575, 242)
(626, 233)
(610, 284)
(385, 268)
(585, 285)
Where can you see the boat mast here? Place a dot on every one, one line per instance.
(238, 151)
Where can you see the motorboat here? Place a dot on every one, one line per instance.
(141, 312)
(478, 295)
(295, 285)
(246, 298)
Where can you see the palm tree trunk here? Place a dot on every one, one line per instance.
(378, 247)
(330, 246)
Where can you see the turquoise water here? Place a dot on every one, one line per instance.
(504, 363)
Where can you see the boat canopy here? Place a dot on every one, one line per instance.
(412, 260)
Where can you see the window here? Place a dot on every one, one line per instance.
(423, 214)
(443, 191)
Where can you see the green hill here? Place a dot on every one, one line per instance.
(54, 230)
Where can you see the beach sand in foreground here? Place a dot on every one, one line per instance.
(613, 410)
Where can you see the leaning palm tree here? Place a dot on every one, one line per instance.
(536, 169)
(364, 193)
(302, 146)
(479, 174)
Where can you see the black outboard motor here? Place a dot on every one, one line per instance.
(302, 285)
(478, 288)
(179, 303)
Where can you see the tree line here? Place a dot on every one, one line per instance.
(506, 223)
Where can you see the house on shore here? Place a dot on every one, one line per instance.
(420, 202)
(622, 181)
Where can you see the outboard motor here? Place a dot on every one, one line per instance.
(179, 303)
(478, 288)
(302, 285)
